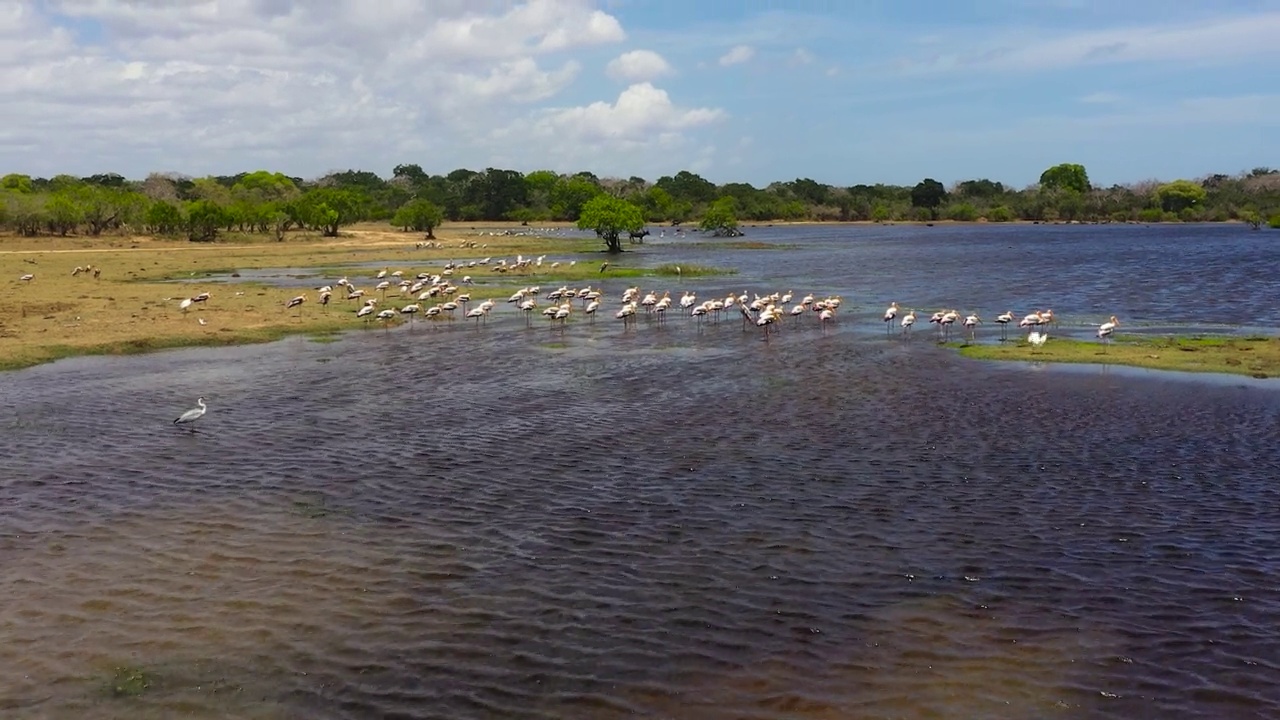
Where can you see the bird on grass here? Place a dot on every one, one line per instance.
(604, 266)
(1106, 329)
(192, 415)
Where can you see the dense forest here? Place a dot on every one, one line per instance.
(201, 209)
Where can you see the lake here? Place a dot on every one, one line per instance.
(678, 520)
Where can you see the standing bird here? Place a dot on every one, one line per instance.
(604, 266)
(908, 321)
(296, 303)
(186, 303)
(1004, 321)
(889, 314)
(971, 324)
(192, 415)
(1105, 330)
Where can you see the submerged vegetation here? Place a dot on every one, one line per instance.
(1254, 356)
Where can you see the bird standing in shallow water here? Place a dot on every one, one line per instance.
(192, 415)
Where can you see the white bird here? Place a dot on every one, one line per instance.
(1037, 338)
(1106, 328)
(192, 415)
(186, 303)
(889, 314)
(27, 278)
(1004, 319)
(908, 320)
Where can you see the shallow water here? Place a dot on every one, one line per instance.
(446, 521)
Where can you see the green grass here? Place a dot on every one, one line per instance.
(692, 270)
(247, 336)
(1254, 356)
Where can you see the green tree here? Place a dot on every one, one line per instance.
(962, 212)
(163, 218)
(204, 219)
(1000, 213)
(722, 217)
(63, 213)
(657, 204)
(688, 186)
(569, 197)
(1180, 195)
(16, 183)
(329, 208)
(411, 172)
(419, 215)
(610, 216)
(980, 188)
(1065, 176)
(928, 194)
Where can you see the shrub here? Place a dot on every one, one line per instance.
(1000, 213)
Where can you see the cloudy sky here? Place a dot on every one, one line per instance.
(842, 91)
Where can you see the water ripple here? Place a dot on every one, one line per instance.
(454, 524)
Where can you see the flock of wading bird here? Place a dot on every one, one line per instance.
(947, 319)
(435, 297)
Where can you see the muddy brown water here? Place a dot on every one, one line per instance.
(451, 522)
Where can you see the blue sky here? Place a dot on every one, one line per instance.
(841, 92)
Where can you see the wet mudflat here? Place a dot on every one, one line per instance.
(447, 522)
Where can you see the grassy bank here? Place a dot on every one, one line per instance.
(132, 305)
(1257, 357)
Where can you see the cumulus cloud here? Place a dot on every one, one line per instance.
(221, 86)
(737, 55)
(643, 128)
(638, 66)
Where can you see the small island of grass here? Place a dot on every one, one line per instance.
(1255, 356)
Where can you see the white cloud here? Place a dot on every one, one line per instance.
(738, 54)
(218, 86)
(643, 129)
(801, 56)
(1222, 39)
(642, 112)
(638, 66)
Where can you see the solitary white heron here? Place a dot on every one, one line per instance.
(192, 415)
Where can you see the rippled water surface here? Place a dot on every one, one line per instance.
(457, 522)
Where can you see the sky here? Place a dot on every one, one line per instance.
(840, 91)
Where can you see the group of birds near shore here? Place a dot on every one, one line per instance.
(1036, 323)
(434, 296)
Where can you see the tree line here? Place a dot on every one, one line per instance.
(273, 203)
